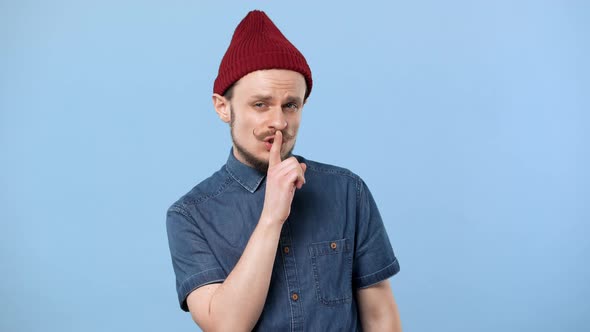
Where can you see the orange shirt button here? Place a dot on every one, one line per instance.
(295, 297)
(333, 245)
(286, 250)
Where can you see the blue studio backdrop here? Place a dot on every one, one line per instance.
(467, 119)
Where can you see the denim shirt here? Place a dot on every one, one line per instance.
(332, 244)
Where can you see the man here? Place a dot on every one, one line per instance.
(272, 241)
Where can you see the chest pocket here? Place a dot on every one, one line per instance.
(331, 262)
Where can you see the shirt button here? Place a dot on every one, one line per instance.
(286, 250)
(295, 297)
(333, 245)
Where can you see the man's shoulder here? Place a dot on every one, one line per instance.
(321, 168)
(204, 190)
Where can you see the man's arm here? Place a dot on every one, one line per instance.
(377, 308)
(236, 304)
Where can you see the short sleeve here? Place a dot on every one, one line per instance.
(374, 259)
(193, 261)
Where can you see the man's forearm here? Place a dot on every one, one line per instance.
(237, 304)
(383, 322)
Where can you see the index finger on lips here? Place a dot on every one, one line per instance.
(275, 150)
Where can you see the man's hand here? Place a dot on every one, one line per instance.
(282, 179)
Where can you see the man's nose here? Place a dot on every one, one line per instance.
(278, 120)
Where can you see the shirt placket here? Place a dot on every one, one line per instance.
(290, 267)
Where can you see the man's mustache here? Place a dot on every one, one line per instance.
(263, 135)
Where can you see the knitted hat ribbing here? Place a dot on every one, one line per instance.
(258, 44)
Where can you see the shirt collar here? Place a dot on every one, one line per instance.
(245, 175)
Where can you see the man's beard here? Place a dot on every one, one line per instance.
(256, 163)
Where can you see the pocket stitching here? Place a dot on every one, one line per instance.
(316, 250)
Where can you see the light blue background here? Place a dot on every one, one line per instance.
(468, 120)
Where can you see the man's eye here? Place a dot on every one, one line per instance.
(259, 104)
(292, 106)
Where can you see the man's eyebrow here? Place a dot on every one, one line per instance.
(290, 99)
(293, 99)
(261, 97)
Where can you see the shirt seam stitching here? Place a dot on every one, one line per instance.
(202, 199)
(196, 274)
(379, 271)
(334, 171)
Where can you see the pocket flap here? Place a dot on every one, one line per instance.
(329, 247)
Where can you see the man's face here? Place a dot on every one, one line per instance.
(263, 102)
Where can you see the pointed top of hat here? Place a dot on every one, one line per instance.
(258, 24)
(258, 44)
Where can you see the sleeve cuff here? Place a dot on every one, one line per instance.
(197, 280)
(375, 277)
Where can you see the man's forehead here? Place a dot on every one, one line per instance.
(268, 81)
(275, 74)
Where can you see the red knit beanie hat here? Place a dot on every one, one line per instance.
(258, 44)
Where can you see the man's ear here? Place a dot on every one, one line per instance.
(222, 107)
